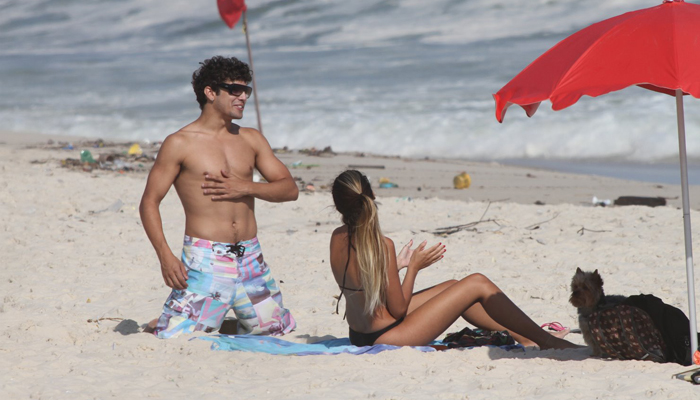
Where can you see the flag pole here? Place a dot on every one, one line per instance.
(250, 58)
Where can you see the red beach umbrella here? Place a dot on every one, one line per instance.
(656, 48)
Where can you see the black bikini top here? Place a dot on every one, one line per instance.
(342, 287)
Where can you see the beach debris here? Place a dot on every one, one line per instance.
(98, 320)
(537, 225)
(539, 203)
(538, 241)
(135, 150)
(462, 180)
(364, 166)
(283, 150)
(307, 187)
(326, 152)
(600, 202)
(583, 230)
(114, 207)
(386, 183)
(640, 201)
(86, 157)
(299, 164)
(117, 157)
(448, 230)
(485, 211)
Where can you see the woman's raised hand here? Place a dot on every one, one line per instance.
(404, 256)
(423, 257)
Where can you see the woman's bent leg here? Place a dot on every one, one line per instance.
(429, 320)
(421, 297)
(475, 315)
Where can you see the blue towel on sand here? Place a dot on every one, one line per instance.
(273, 345)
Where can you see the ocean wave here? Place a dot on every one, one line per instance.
(395, 77)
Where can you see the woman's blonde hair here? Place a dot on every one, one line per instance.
(354, 199)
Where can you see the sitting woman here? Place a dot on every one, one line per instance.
(382, 309)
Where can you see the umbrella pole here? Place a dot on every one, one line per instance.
(250, 58)
(686, 223)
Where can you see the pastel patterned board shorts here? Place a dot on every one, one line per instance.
(220, 277)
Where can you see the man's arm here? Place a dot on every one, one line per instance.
(162, 175)
(280, 186)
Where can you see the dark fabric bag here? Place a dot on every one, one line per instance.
(671, 322)
(625, 332)
(478, 337)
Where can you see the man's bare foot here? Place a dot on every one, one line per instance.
(151, 326)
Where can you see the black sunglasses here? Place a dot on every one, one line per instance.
(234, 89)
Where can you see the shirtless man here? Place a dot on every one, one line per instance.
(211, 162)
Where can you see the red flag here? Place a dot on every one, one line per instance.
(231, 11)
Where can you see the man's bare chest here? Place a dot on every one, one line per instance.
(232, 156)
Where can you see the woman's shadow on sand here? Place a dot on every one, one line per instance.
(529, 353)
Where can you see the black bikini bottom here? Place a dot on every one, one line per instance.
(368, 339)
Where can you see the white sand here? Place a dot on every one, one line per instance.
(68, 262)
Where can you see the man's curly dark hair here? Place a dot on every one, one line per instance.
(216, 70)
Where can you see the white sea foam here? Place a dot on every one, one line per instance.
(408, 77)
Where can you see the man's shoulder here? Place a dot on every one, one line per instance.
(182, 137)
(185, 133)
(176, 144)
(255, 138)
(249, 132)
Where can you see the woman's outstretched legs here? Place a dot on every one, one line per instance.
(432, 317)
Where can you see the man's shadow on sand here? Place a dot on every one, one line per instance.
(129, 327)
